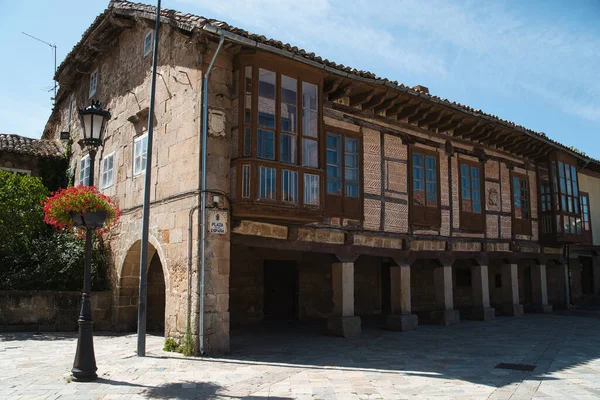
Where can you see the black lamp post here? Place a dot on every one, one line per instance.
(93, 121)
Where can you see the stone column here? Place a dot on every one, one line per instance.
(481, 294)
(539, 289)
(445, 314)
(400, 318)
(343, 322)
(510, 291)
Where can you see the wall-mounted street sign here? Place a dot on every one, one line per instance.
(217, 222)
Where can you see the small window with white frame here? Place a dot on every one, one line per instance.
(84, 171)
(148, 38)
(108, 174)
(93, 82)
(140, 151)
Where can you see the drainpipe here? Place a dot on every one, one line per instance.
(189, 269)
(203, 190)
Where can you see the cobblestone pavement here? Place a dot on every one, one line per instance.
(282, 363)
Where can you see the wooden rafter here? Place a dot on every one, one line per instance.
(434, 115)
(516, 143)
(440, 122)
(331, 86)
(361, 98)
(340, 92)
(419, 115)
(490, 131)
(386, 104)
(477, 130)
(465, 128)
(503, 137)
(396, 108)
(375, 101)
(408, 111)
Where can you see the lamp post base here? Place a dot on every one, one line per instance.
(84, 367)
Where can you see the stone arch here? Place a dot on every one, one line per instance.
(128, 288)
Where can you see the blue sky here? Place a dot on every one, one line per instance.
(536, 63)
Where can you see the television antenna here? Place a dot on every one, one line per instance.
(53, 46)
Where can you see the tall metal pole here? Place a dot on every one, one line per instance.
(84, 366)
(142, 306)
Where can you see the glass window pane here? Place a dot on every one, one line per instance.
(289, 186)
(464, 170)
(351, 145)
(289, 88)
(477, 207)
(466, 183)
(310, 113)
(266, 98)
(287, 144)
(311, 189)
(352, 190)
(266, 183)
(266, 144)
(334, 186)
(418, 159)
(430, 161)
(246, 181)
(310, 154)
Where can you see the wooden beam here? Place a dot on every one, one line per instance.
(122, 22)
(396, 108)
(331, 86)
(386, 104)
(419, 115)
(340, 92)
(502, 137)
(408, 111)
(450, 125)
(433, 116)
(481, 128)
(468, 127)
(440, 122)
(486, 134)
(516, 143)
(361, 98)
(375, 101)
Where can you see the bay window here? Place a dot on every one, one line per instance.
(425, 200)
(277, 150)
(584, 199)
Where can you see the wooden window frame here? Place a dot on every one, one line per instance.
(343, 205)
(427, 219)
(519, 226)
(587, 233)
(469, 220)
(252, 206)
(562, 214)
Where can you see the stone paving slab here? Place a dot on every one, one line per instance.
(298, 362)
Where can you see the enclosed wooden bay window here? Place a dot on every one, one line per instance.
(563, 209)
(425, 208)
(277, 167)
(471, 194)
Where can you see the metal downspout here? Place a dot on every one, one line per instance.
(203, 189)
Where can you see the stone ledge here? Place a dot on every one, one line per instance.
(397, 322)
(344, 326)
(261, 229)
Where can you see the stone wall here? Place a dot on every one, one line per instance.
(23, 162)
(46, 311)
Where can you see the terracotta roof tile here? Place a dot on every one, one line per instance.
(33, 147)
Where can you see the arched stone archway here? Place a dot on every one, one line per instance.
(128, 290)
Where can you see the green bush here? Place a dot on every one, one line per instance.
(171, 345)
(32, 255)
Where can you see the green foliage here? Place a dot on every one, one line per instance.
(171, 345)
(187, 347)
(32, 255)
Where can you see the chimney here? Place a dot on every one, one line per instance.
(421, 88)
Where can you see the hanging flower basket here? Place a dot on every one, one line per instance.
(81, 207)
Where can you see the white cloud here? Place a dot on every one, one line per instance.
(490, 46)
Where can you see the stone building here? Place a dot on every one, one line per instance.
(25, 155)
(347, 195)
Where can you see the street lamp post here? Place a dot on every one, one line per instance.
(93, 121)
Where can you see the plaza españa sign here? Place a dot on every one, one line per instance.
(217, 222)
